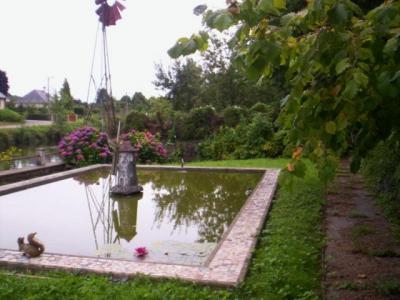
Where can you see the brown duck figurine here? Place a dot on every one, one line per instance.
(34, 248)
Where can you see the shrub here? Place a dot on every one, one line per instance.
(79, 110)
(38, 116)
(10, 153)
(8, 115)
(201, 122)
(85, 146)
(275, 146)
(232, 115)
(149, 146)
(382, 169)
(268, 110)
(137, 120)
(242, 142)
(260, 107)
(220, 146)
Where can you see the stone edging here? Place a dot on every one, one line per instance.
(226, 267)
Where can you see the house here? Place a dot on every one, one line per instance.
(3, 100)
(35, 98)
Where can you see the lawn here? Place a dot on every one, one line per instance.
(286, 263)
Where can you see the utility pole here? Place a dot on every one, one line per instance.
(48, 97)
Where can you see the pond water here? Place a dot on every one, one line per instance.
(179, 217)
(31, 161)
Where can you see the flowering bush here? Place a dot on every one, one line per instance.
(85, 146)
(149, 146)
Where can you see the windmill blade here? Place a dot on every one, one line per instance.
(109, 14)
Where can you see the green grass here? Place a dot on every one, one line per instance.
(250, 163)
(385, 287)
(285, 265)
(357, 215)
(392, 212)
(361, 230)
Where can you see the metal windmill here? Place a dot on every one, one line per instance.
(108, 16)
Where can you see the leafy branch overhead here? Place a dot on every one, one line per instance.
(342, 62)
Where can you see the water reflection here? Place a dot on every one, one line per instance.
(179, 201)
(125, 217)
(207, 201)
(112, 218)
(28, 159)
(179, 217)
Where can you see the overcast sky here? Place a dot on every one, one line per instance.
(54, 39)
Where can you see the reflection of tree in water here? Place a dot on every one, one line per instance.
(208, 200)
(92, 177)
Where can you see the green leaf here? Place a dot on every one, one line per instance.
(201, 40)
(299, 168)
(339, 15)
(223, 21)
(327, 169)
(285, 100)
(342, 65)
(396, 76)
(355, 164)
(220, 19)
(353, 7)
(185, 46)
(268, 7)
(330, 127)
(360, 78)
(341, 121)
(280, 4)
(351, 89)
(175, 51)
(391, 45)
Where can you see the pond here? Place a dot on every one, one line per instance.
(27, 158)
(179, 217)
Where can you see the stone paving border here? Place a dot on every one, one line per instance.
(14, 175)
(227, 265)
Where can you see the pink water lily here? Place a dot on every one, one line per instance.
(141, 251)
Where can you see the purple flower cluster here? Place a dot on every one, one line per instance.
(85, 146)
(149, 146)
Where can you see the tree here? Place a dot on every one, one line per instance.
(183, 84)
(106, 102)
(58, 111)
(139, 102)
(4, 83)
(125, 99)
(343, 65)
(227, 84)
(66, 97)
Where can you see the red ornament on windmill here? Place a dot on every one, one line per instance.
(109, 14)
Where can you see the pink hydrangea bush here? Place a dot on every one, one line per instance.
(149, 146)
(85, 146)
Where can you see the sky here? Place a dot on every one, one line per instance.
(45, 41)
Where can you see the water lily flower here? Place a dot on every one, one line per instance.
(141, 251)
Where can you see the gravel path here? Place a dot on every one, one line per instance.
(28, 123)
(362, 257)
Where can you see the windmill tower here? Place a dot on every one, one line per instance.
(108, 16)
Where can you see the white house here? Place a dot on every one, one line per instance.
(3, 99)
